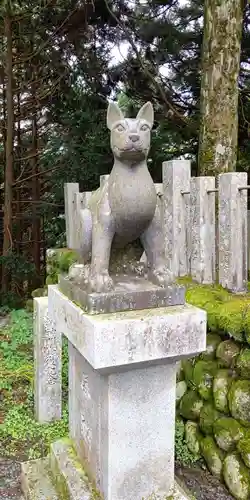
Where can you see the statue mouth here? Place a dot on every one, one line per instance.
(130, 149)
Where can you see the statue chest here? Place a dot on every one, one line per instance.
(132, 201)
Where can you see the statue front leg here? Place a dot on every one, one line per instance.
(102, 237)
(153, 244)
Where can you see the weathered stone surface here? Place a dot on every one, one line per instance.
(176, 179)
(35, 480)
(239, 401)
(129, 293)
(227, 352)
(212, 455)
(131, 337)
(244, 449)
(63, 469)
(191, 405)
(233, 231)
(236, 477)
(67, 472)
(202, 221)
(47, 355)
(227, 433)
(119, 455)
(193, 437)
(221, 384)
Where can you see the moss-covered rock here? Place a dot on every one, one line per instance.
(243, 363)
(244, 449)
(213, 340)
(181, 389)
(226, 312)
(221, 385)
(190, 405)
(193, 437)
(187, 367)
(212, 455)
(208, 416)
(203, 374)
(227, 353)
(236, 477)
(227, 433)
(239, 401)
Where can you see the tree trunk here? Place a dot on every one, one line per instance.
(8, 179)
(219, 86)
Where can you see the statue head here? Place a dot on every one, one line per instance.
(130, 137)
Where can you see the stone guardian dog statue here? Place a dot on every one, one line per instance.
(125, 208)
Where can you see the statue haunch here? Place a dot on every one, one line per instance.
(125, 207)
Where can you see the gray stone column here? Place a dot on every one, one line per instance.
(47, 360)
(176, 180)
(202, 228)
(233, 231)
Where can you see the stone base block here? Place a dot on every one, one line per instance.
(61, 476)
(130, 293)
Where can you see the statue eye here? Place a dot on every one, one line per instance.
(144, 127)
(120, 128)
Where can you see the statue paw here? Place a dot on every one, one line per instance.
(100, 283)
(161, 276)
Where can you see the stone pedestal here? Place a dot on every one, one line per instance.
(122, 376)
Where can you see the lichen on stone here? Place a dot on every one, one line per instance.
(227, 433)
(193, 437)
(239, 401)
(208, 416)
(190, 405)
(212, 455)
(203, 374)
(213, 340)
(236, 476)
(227, 353)
(221, 385)
(243, 363)
(244, 449)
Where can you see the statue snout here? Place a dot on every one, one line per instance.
(134, 137)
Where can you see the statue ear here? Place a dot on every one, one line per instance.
(147, 113)
(114, 114)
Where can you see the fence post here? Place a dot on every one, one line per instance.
(176, 180)
(233, 231)
(47, 357)
(202, 226)
(69, 193)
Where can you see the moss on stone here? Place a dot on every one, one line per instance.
(212, 455)
(227, 433)
(192, 438)
(244, 449)
(236, 476)
(208, 416)
(221, 385)
(213, 340)
(226, 312)
(203, 374)
(187, 367)
(243, 363)
(227, 353)
(239, 401)
(181, 389)
(190, 405)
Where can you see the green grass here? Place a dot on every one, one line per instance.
(20, 434)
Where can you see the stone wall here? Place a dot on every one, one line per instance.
(213, 390)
